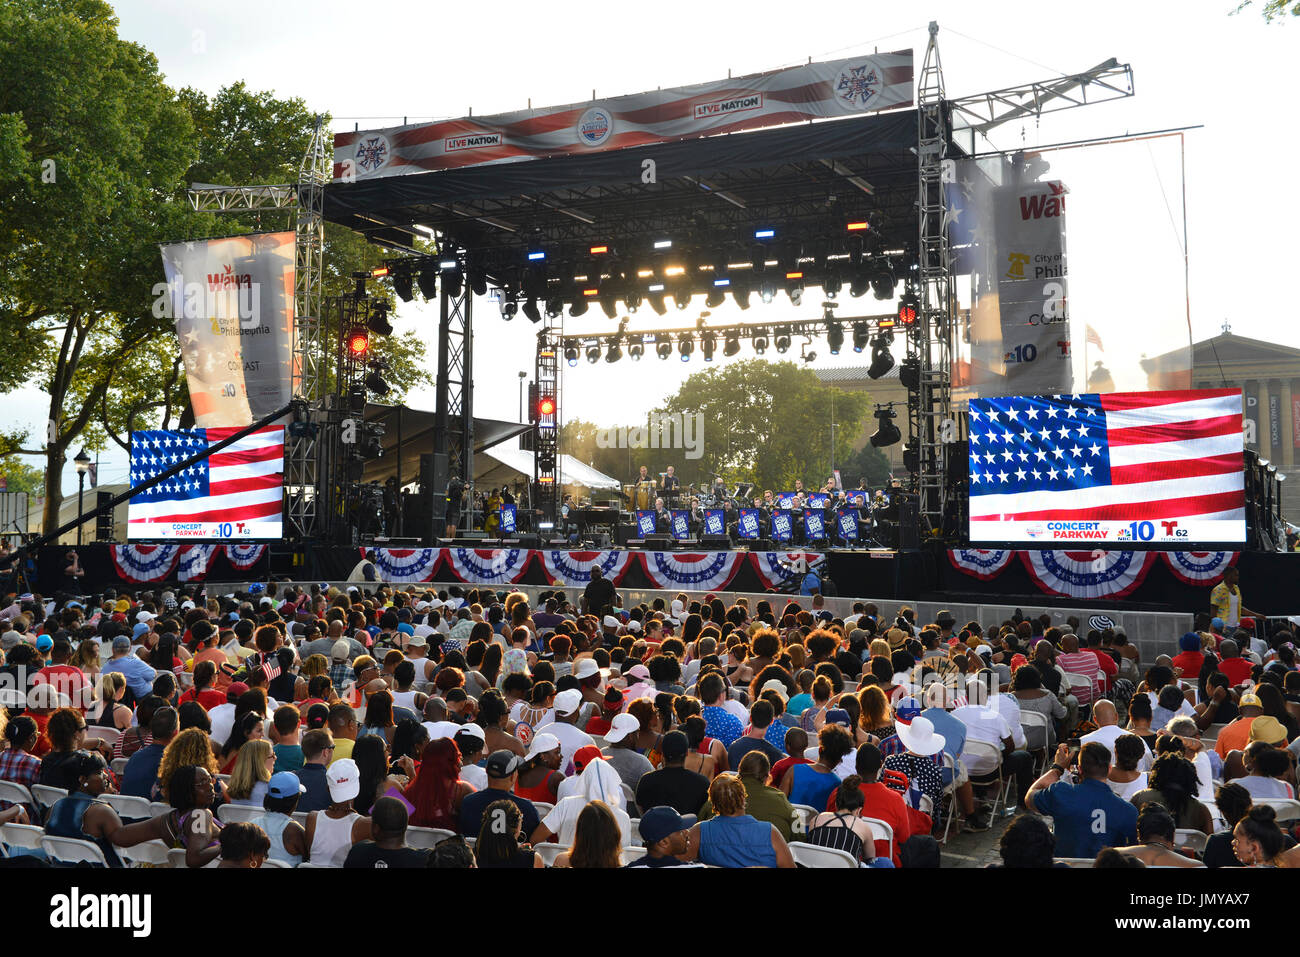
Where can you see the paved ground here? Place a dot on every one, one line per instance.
(974, 849)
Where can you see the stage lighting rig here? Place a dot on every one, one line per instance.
(378, 319)
(427, 279)
(403, 285)
(636, 348)
(685, 346)
(887, 432)
(732, 344)
(908, 308)
(593, 352)
(883, 281)
(835, 337)
(909, 374)
(374, 380)
(882, 360)
(449, 269)
(663, 346)
(614, 343)
(861, 336)
(760, 340)
(357, 342)
(571, 354)
(782, 339)
(531, 311)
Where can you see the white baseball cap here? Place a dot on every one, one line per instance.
(344, 779)
(622, 725)
(540, 744)
(567, 702)
(611, 621)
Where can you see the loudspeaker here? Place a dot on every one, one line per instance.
(103, 517)
(433, 489)
(660, 543)
(715, 542)
(909, 534)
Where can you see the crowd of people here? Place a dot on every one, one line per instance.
(414, 726)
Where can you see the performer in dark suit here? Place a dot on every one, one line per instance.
(671, 483)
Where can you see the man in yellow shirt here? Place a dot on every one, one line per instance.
(1227, 601)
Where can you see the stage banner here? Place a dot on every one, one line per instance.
(573, 569)
(782, 525)
(985, 564)
(848, 523)
(194, 562)
(1199, 568)
(748, 526)
(645, 522)
(681, 523)
(818, 500)
(1295, 422)
(1088, 574)
(145, 563)
(701, 571)
(785, 499)
(835, 88)
(507, 519)
(856, 497)
(488, 566)
(232, 303)
(244, 557)
(777, 568)
(406, 564)
(814, 524)
(715, 521)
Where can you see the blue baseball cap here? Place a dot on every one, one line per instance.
(139, 629)
(907, 709)
(285, 784)
(44, 643)
(659, 823)
(1216, 623)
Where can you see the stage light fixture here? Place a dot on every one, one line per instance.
(656, 300)
(428, 282)
(686, 346)
(882, 360)
(663, 346)
(886, 432)
(854, 246)
(578, 308)
(715, 298)
(379, 272)
(614, 351)
(911, 458)
(452, 278)
(378, 319)
(546, 405)
(554, 307)
(764, 233)
(598, 250)
(536, 256)
(531, 311)
(404, 286)
(732, 344)
(358, 342)
(832, 283)
(740, 292)
(909, 374)
(636, 349)
(883, 281)
(632, 300)
(861, 336)
(571, 354)
(478, 281)
(835, 337)
(708, 342)
(782, 339)
(856, 227)
(760, 340)
(663, 244)
(767, 290)
(375, 381)
(682, 297)
(908, 308)
(509, 307)
(593, 352)
(860, 283)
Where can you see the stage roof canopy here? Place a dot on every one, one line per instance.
(414, 428)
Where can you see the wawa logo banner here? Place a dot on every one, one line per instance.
(228, 279)
(1044, 205)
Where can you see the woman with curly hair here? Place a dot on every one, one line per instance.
(1173, 783)
(191, 746)
(597, 840)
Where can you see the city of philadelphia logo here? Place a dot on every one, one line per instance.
(471, 141)
(736, 104)
(1016, 263)
(372, 152)
(857, 85)
(595, 126)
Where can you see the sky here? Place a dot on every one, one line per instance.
(1194, 65)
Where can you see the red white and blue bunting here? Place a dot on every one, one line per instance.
(488, 566)
(1088, 574)
(406, 565)
(691, 571)
(774, 568)
(244, 557)
(194, 562)
(145, 563)
(573, 569)
(1199, 568)
(982, 563)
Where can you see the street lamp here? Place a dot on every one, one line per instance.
(82, 462)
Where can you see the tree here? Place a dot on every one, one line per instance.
(867, 463)
(20, 477)
(1274, 9)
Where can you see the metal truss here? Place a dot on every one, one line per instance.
(453, 431)
(799, 328)
(209, 198)
(546, 443)
(1111, 80)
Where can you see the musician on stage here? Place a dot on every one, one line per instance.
(642, 476)
(719, 494)
(671, 482)
(567, 527)
(663, 518)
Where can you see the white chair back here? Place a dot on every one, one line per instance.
(46, 796)
(96, 733)
(810, 855)
(630, 854)
(72, 850)
(426, 837)
(1189, 837)
(1287, 809)
(16, 793)
(21, 835)
(147, 852)
(128, 808)
(882, 831)
(238, 812)
(548, 852)
(119, 765)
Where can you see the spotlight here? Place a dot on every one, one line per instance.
(378, 319)
(546, 406)
(708, 342)
(403, 284)
(613, 351)
(911, 458)
(767, 290)
(860, 283)
(882, 360)
(477, 280)
(740, 292)
(783, 339)
(663, 346)
(861, 335)
(835, 337)
(908, 308)
(855, 251)
(593, 352)
(887, 432)
(682, 297)
(732, 345)
(832, 283)
(909, 373)
(530, 310)
(570, 354)
(609, 300)
(428, 281)
(509, 308)
(635, 349)
(358, 342)
(452, 279)
(632, 300)
(657, 303)
(578, 308)
(715, 298)
(374, 381)
(760, 340)
(554, 306)
(686, 346)
(883, 281)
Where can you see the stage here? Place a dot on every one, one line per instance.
(1134, 580)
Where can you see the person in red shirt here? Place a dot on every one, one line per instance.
(67, 680)
(796, 743)
(1235, 667)
(880, 801)
(613, 705)
(1190, 658)
(1108, 665)
(204, 690)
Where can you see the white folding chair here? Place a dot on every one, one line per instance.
(949, 791)
(629, 796)
(176, 858)
(147, 852)
(426, 836)
(46, 796)
(810, 855)
(1079, 862)
(1076, 680)
(1037, 720)
(238, 812)
(804, 815)
(16, 793)
(1190, 837)
(881, 831)
(636, 832)
(119, 765)
(548, 852)
(96, 733)
(159, 807)
(273, 863)
(301, 818)
(312, 864)
(1288, 809)
(543, 808)
(72, 850)
(21, 835)
(989, 752)
(630, 854)
(128, 808)
(224, 779)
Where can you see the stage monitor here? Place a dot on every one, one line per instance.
(236, 493)
(1124, 468)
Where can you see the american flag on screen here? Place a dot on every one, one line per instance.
(1123, 456)
(243, 482)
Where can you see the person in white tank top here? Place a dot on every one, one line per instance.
(332, 832)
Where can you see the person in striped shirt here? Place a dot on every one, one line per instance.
(1079, 662)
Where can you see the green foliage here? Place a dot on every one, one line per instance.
(1274, 9)
(867, 463)
(21, 477)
